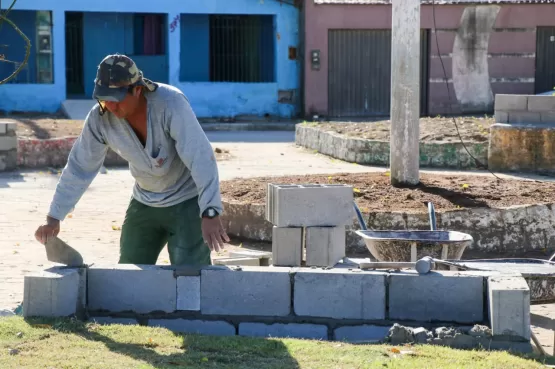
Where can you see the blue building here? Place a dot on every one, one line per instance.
(231, 58)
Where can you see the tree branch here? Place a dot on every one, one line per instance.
(27, 46)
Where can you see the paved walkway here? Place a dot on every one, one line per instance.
(25, 197)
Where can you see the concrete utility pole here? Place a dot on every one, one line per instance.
(405, 93)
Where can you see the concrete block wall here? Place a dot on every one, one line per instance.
(309, 219)
(316, 303)
(8, 146)
(523, 109)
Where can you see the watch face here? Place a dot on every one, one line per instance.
(211, 212)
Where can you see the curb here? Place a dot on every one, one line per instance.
(514, 230)
(53, 152)
(373, 152)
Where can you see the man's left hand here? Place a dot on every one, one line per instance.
(214, 233)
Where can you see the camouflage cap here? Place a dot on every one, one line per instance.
(115, 74)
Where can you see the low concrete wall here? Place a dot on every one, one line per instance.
(43, 153)
(8, 146)
(522, 138)
(352, 305)
(510, 231)
(371, 152)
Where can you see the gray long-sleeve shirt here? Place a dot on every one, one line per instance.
(176, 164)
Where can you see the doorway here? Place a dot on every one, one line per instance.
(74, 55)
(545, 59)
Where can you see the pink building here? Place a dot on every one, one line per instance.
(486, 48)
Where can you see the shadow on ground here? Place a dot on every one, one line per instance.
(455, 197)
(195, 350)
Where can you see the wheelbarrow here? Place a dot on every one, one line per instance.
(412, 245)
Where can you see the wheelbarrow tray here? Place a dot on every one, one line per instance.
(411, 245)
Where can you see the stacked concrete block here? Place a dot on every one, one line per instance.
(325, 246)
(287, 246)
(188, 293)
(261, 291)
(8, 146)
(56, 292)
(438, 296)
(521, 139)
(129, 287)
(517, 109)
(310, 216)
(509, 307)
(309, 205)
(340, 294)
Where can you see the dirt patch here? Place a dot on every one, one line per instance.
(472, 129)
(374, 193)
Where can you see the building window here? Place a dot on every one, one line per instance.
(148, 34)
(227, 48)
(37, 26)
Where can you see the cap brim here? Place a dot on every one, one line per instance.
(105, 93)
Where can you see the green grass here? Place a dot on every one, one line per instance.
(72, 344)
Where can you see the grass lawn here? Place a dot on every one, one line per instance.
(71, 344)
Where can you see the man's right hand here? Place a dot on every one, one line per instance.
(48, 230)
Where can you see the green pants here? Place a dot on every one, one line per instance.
(146, 230)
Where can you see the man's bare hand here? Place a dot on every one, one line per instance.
(214, 233)
(48, 230)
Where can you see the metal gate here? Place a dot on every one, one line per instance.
(74, 53)
(545, 59)
(359, 73)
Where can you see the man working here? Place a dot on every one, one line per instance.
(176, 197)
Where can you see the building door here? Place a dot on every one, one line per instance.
(359, 73)
(74, 55)
(545, 59)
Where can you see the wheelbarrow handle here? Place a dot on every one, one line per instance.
(359, 216)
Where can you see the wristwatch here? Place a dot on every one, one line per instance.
(210, 213)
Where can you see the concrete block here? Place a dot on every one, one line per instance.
(51, 293)
(310, 205)
(237, 261)
(517, 117)
(361, 333)
(325, 246)
(339, 294)
(501, 116)
(129, 287)
(511, 102)
(7, 128)
(509, 306)
(110, 320)
(8, 160)
(541, 103)
(11, 129)
(8, 143)
(287, 246)
(264, 256)
(82, 298)
(248, 291)
(188, 293)
(279, 330)
(211, 328)
(548, 116)
(437, 296)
